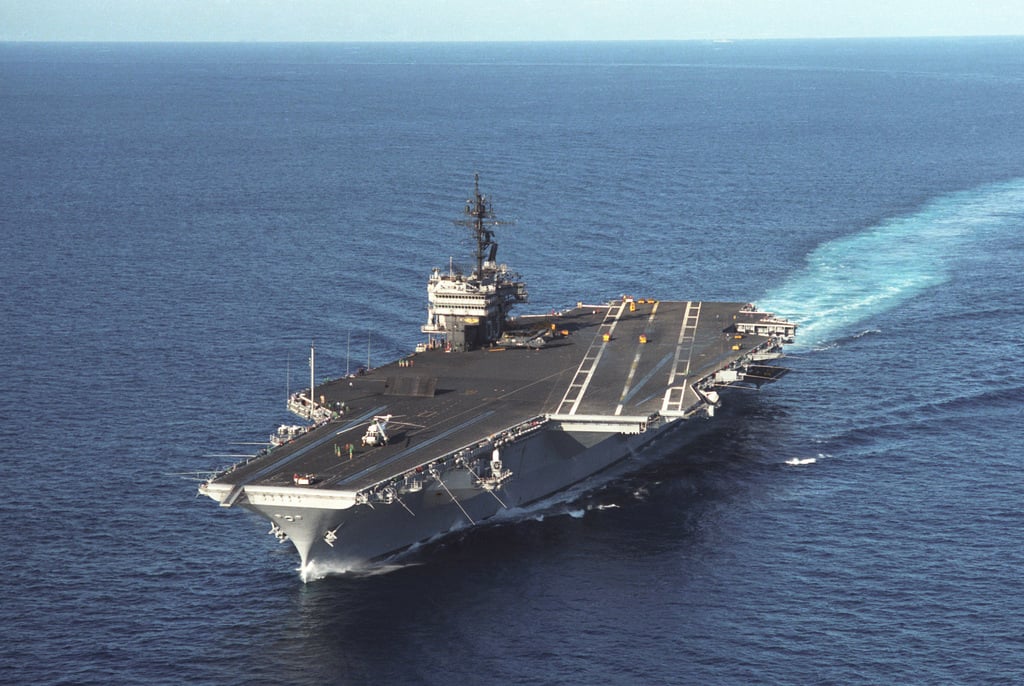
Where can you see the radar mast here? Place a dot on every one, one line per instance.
(480, 216)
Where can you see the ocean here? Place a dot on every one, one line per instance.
(180, 221)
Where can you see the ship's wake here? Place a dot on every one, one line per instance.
(849, 280)
(572, 502)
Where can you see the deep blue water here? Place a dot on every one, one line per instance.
(179, 221)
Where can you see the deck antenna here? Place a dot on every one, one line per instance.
(368, 334)
(312, 383)
(348, 353)
(288, 375)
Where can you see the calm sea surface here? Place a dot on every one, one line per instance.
(179, 221)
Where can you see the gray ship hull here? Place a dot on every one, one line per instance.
(542, 465)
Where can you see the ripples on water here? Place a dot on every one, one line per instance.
(181, 221)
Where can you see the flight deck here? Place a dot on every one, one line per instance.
(614, 366)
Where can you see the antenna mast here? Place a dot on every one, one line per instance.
(481, 215)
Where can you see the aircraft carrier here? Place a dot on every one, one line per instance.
(491, 412)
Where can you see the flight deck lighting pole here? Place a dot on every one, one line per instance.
(312, 386)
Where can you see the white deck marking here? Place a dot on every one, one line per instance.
(578, 387)
(636, 362)
(675, 396)
(687, 334)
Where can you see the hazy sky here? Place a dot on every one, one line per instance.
(491, 20)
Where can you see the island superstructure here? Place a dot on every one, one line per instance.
(492, 412)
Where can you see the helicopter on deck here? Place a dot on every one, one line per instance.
(376, 433)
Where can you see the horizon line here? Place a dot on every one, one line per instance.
(722, 40)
